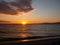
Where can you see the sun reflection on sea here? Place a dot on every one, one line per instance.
(24, 35)
(25, 40)
(24, 31)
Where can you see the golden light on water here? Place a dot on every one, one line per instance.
(25, 40)
(23, 35)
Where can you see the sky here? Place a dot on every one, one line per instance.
(40, 11)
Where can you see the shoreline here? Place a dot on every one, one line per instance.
(38, 41)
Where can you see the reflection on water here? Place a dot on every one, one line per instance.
(25, 40)
(23, 35)
(24, 28)
(24, 32)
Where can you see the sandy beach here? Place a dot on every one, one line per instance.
(38, 41)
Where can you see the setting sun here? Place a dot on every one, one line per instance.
(24, 22)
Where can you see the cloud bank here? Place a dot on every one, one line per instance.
(4, 22)
(12, 7)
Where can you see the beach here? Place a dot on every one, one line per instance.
(42, 41)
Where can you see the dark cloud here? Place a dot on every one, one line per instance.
(13, 7)
(3, 22)
(4, 8)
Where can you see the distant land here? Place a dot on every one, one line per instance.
(35, 23)
(52, 23)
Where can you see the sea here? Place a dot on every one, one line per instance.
(28, 30)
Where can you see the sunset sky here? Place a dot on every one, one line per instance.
(44, 11)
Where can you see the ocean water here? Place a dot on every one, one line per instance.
(22, 31)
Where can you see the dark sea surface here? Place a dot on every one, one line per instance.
(22, 31)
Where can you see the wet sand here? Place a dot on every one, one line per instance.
(35, 41)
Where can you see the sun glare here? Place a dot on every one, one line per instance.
(24, 22)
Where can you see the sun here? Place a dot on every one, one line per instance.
(24, 22)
